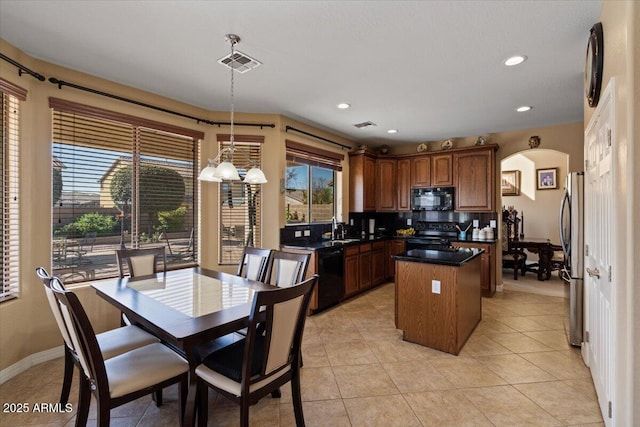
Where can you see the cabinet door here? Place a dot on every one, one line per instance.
(362, 186)
(386, 185)
(369, 184)
(393, 247)
(487, 271)
(378, 267)
(441, 170)
(421, 171)
(364, 281)
(473, 175)
(351, 270)
(404, 185)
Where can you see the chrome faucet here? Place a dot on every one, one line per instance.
(334, 227)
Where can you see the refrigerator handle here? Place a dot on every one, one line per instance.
(563, 241)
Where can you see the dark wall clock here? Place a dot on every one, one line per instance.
(593, 65)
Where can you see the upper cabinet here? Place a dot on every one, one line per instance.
(421, 171)
(441, 170)
(404, 184)
(473, 178)
(362, 190)
(386, 185)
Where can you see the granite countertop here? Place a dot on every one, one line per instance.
(452, 257)
(314, 246)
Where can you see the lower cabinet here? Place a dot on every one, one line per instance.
(393, 247)
(487, 269)
(364, 266)
(351, 269)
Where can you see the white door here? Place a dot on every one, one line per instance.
(599, 250)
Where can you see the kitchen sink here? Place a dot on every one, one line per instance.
(343, 241)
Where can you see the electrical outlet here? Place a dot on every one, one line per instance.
(492, 223)
(476, 223)
(409, 221)
(435, 286)
(351, 222)
(307, 233)
(297, 233)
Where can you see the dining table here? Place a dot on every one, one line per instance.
(545, 250)
(187, 309)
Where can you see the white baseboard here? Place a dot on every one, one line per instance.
(29, 361)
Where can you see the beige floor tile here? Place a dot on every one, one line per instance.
(492, 311)
(340, 335)
(349, 353)
(560, 364)
(445, 408)
(483, 345)
(382, 411)
(264, 413)
(325, 413)
(491, 325)
(523, 323)
(520, 343)
(388, 333)
(555, 339)
(554, 321)
(563, 402)
(537, 309)
(27, 413)
(314, 355)
(467, 373)
(584, 386)
(506, 406)
(318, 384)
(397, 351)
(363, 381)
(514, 369)
(416, 376)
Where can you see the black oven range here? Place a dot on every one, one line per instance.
(433, 236)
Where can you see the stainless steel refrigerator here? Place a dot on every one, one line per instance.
(572, 241)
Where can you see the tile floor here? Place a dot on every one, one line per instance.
(516, 369)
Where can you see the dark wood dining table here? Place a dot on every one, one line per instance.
(544, 248)
(186, 309)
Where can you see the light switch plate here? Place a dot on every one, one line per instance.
(492, 223)
(435, 286)
(307, 233)
(476, 223)
(298, 233)
(409, 221)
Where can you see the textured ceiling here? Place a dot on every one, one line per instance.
(433, 69)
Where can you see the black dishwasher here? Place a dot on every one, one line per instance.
(331, 277)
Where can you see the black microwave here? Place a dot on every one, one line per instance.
(432, 199)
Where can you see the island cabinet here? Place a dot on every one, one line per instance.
(487, 269)
(362, 182)
(438, 306)
(421, 171)
(393, 247)
(473, 178)
(386, 188)
(441, 170)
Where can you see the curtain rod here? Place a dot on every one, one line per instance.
(288, 128)
(22, 68)
(62, 83)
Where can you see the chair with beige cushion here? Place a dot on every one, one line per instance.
(286, 268)
(119, 379)
(111, 343)
(253, 264)
(141, 262)
(258, 365)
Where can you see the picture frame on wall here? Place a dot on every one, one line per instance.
(547, 179)
(510, 183)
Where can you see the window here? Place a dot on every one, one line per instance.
(9, 184)
(119, 182)
(240, 204)
(310, 179)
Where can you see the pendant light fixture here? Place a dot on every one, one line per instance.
(221, 168)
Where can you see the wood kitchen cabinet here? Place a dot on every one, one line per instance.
(378, 264)
(441, 170)
(487, 269)
(386, 196)
(364, 279)
(393, 247)
(473, 178)
(403, 187)
(351, 269)
(421, 171)
(362, 182)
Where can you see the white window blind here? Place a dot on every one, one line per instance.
(10, 197)
(240, 204)
(119, 184)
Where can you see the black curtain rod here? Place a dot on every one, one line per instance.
(288, 128)
(61, 83)
(22, 68)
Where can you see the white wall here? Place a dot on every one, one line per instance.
(541, 208)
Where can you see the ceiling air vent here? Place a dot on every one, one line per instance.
(240, 62)
(364, 124)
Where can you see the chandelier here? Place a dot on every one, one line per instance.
(221, 168)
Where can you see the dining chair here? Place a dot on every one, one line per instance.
(258, 365)
(119, 379)
(141, 262)
(111, 343)
(253, 264)
(512, 257)
(286, 268)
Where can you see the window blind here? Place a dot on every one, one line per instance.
(119, 185)
(313, 156)
(9, 158)
(240, 204)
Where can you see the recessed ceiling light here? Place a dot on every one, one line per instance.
(515, 60)
(392, 131)
(523, 108)
(343, 106)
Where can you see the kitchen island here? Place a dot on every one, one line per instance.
(438, 296)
